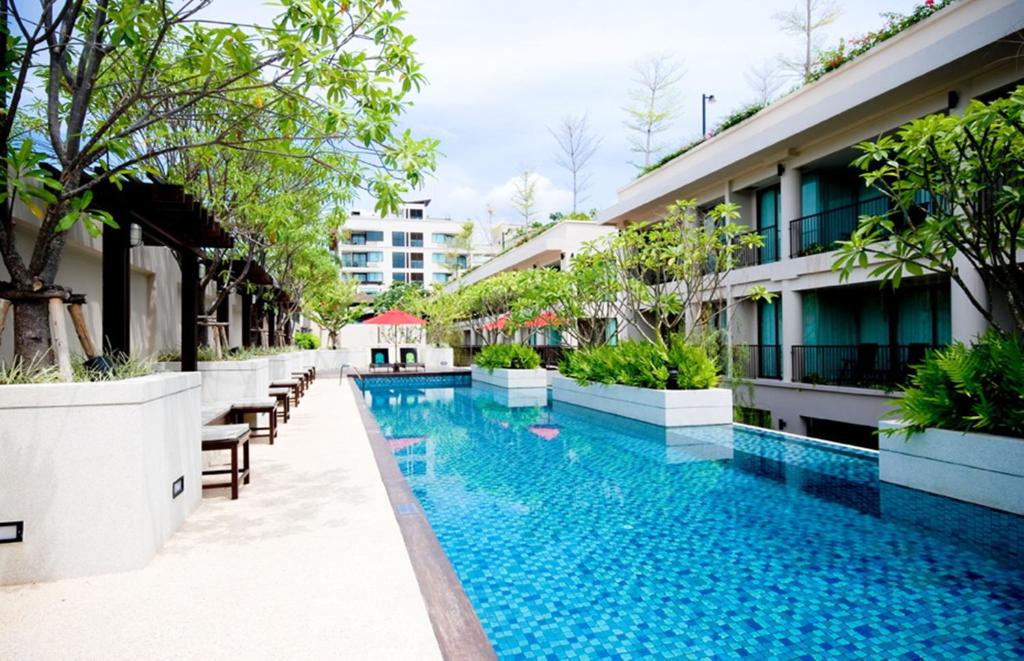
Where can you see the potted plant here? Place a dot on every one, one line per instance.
(959, 427)
(509, 366)
(668, 386)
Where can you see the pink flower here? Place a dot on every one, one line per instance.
(929, 3)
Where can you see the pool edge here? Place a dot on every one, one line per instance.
(458, 630)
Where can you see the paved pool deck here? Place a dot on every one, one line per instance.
(308, 563)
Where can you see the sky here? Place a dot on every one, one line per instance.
(501, 73)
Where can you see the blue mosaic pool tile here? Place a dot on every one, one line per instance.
(585, 536)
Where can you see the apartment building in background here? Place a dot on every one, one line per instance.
(408, 247)
(826, 356)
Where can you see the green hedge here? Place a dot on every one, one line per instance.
(507, 356)
(963, 387)
(644, 365)
(306, 341)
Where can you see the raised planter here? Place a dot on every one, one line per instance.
(89, 468)
(330, 360)
(665, 408)
(437, 357)
(280, 366)
(503, 378)
(230, 380)
(977, 468)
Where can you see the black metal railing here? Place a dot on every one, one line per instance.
(550, 354)
(757, 361)
(767, 253)
(858, 365)
(819, 232)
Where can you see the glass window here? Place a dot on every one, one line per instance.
(441, 277)
(353, 259)
(416, 239)
(398, 239)
(375, 236)
(398, 277)
(416, 277)
(441, 239)
(439, 258)
(357, 239)
(416, 213)
(416, 260)
(375, 257)
(398, 260)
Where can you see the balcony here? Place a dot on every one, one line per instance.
(757, 361)
(766, 254)
(857, 365)
(819, 232)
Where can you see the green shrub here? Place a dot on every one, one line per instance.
(963, 387)
(306, 341)
(507, 356)
(644, 365)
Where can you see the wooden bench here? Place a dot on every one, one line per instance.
(218, 438)
(293, 386)
(303, 379)
(283, 398)
(257, 407)
(419, 367)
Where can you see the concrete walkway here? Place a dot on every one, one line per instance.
(309, 563)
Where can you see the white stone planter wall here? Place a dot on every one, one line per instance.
(503, 378)
(330, 360)
(978, 468)
(666, 408)
(280, 366)
(308, 358)
(295, 361)
(437, 357)
(89, 467)
(230, 380)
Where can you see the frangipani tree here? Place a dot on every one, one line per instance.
(120, 83)
(667, 272)
(488, 304)
(332, 306)
(956, 185)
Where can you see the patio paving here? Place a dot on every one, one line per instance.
(308, 563)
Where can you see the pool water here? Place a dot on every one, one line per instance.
(578, 534)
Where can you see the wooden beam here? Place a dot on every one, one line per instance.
(117, 289)
(189, 311)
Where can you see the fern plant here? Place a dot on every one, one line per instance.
(963, 387)
(507, 356)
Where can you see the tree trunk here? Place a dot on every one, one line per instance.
(32, 333)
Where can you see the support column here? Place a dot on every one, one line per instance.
(790, 206)
(792, 327)
(966, 321)
(271, 326)
(189, 311)
(246, 319)
(116, 290)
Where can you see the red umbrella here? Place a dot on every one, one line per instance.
(395, 318)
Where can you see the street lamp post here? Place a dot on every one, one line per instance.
(705, 100)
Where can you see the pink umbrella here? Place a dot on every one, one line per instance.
(402, 443)
(395, 318)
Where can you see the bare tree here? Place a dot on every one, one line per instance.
(806, 20)
(524, 197)
(764, 80)
(576, 145)
(654, 104)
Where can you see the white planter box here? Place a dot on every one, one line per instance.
(502, 378)
(330, 360)
(230, 380)
(88, 468)
(665, 408)
(978, 468)
(308, 358)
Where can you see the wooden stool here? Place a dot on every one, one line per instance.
(283, 396)
(230, 438)
(256, 407)
(294, 385)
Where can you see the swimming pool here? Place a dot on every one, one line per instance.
(581, 535)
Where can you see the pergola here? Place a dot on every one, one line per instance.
(256, 276)
(167, 217)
